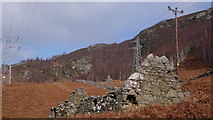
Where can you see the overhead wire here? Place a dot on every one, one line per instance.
(12, 14)
(128, 29)
(152, 18)
(22, 21)
(19, 38)
(116, 35)
(28, 24)
(138, 25)
(27, 27)
(193, 8)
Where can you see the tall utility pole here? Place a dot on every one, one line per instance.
(137, 55)
(175, 11)
(7, 60)
(10, 52)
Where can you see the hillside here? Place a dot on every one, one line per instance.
(35, 100)
(96, 62)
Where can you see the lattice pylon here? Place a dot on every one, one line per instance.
(137, 55)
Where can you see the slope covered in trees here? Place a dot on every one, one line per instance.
(116, 59)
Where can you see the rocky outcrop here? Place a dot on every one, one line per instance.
(82, 64)
(96, 46)
(78, 68)
(154, 84)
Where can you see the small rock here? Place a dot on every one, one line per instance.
(172, 93)
(156, 91)
(175, 100)
(181, 95)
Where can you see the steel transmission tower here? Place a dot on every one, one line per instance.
(7, 60)
(137, 55)
(175, 12)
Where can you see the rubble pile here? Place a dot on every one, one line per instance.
(154, 83)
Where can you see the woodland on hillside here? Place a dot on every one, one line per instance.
(116, 59)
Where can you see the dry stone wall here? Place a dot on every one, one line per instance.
(155, 83)
(69, 106)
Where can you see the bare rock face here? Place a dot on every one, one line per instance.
(154, 84)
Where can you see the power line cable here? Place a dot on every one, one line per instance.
(12, 14)
(130, 28)
(28, 24)
(121, 35)
(138, 25)
(21, 39)
(22, 21)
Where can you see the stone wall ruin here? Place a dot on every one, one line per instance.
(154, 84)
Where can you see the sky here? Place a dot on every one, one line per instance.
(46, 29)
